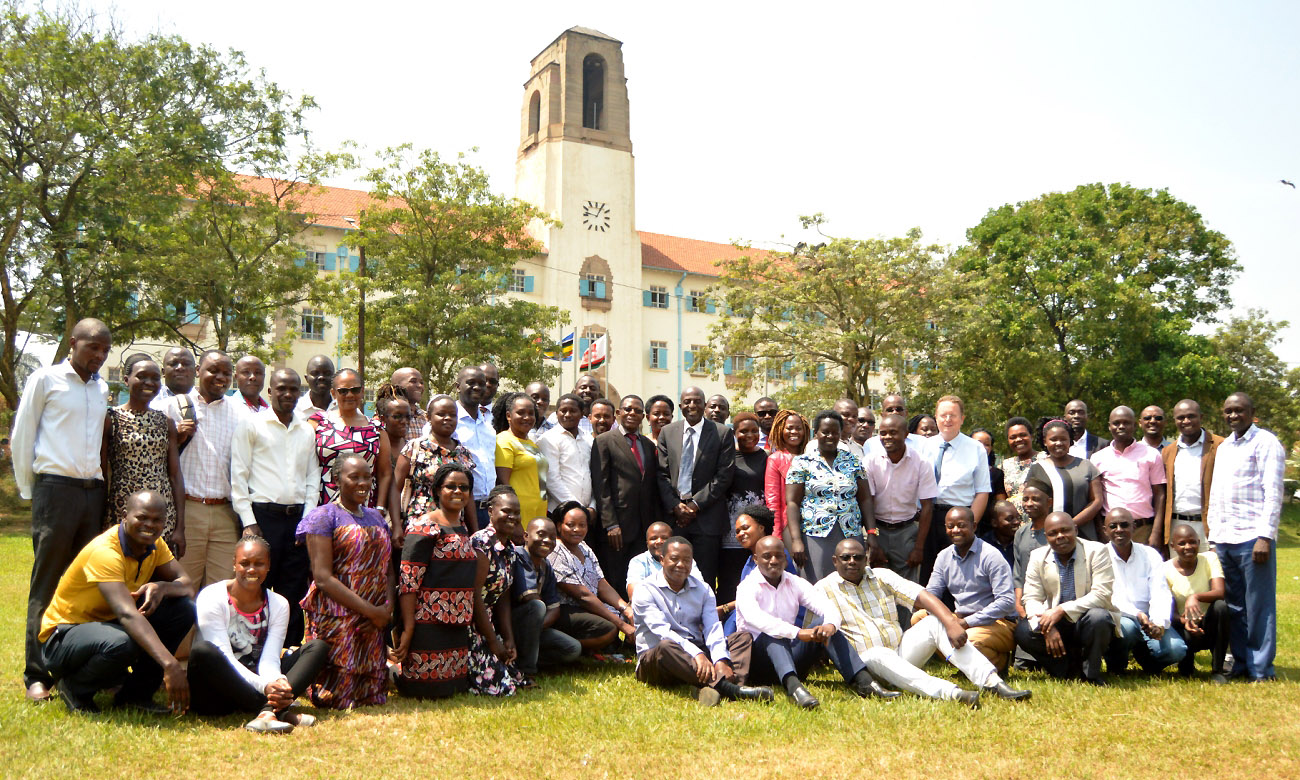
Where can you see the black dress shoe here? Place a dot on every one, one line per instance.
(804, 699)
(969, 698)
(78, 702)
(753, 693)
(874, 690)
(1004, 691)
(38, 692)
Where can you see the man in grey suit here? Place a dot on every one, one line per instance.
(1070, 619)
(696, 463)
(625, 489)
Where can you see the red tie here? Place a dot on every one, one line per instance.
(636, 452)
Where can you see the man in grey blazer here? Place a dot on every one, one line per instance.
(695, 497)
(1067, 597)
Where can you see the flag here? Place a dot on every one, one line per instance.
(595, 355)
(563, 352)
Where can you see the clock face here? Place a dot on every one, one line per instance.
(595, 216)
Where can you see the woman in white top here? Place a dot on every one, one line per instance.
(235, 663)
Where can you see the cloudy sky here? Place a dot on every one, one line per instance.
(882, 116)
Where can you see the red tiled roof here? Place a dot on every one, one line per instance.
(673, 253)
(327, 205)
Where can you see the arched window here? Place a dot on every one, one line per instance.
(593, 90)
(535, 113)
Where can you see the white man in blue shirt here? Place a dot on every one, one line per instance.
(679, 639)
(961, 467)
(57, 434)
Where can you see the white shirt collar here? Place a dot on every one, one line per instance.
(1182, 445)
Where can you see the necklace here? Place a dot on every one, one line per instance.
(359, 513)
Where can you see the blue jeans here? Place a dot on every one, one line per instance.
(773, 659)
(1152, 655)
(1252, 608)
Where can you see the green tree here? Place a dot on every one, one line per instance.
(1091, 294)
(1247, 343)
(817, 318)
(439, 247)
(102, 139)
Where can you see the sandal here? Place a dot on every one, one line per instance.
(267, 723)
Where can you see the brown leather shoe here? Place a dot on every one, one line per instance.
(37, 692)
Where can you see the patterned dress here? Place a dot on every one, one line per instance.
(137, 455)
(334, 438)
(356, 674)
(438, 566)
(426, 456)
(489, 675)
(1013, 479)
(830, 493)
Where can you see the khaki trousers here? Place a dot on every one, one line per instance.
(211, 531)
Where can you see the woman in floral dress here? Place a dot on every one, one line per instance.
(492, 645)
(421, 457)
(346, 430)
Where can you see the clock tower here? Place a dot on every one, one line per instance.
(575, 163)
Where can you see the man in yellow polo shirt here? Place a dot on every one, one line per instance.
(123, 594)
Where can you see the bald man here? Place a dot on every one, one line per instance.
(124, 603)
(178, 369)
(57, 434)
(410, 383)
(1132, 474)
(1189, 473)
(250, 378)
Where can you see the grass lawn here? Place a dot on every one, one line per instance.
(599, 722)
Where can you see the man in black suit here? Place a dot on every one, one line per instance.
(624, 484)
(1085, 443)
(695, 497)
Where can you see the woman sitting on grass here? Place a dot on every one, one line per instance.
(592, 612)
(235, 664)
(1200, 610)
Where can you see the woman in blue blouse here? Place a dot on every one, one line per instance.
(826, 499)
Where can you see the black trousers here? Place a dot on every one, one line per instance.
(89, 657)
(731, 562)
(1085, 644)
(708, 554)
(614, 562)
(65, 517)
(935, 540)
(290, 566)
(1215, 639)
(217, 688)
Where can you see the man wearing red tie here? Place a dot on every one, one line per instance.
(624, 474)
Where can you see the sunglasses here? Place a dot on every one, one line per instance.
(1154, 417)
(456, 488)
(866, 421)
(1117, 526)
(847, 557)
(766, 413)
(349, 390)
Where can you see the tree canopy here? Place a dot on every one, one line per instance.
(1247, 342)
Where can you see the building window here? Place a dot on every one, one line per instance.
(656, 297)
(659, 355)
(313, 325)
(535, 113)
(516, 280)
(734, 364)
(318, 259)
(593, 90)
(592, 286)
(694, 362)
(696, 301)
(115, 374)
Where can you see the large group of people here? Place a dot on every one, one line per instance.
(243, 552)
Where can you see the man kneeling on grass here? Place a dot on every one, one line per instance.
(679, 638)
(767, 603)
(123, 594)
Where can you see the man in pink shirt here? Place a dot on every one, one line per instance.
(767, 602)
(901, 477)
(1132, 474)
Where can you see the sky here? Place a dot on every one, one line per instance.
(882, 116)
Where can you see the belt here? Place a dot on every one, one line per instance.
(208, 501)
(1193, 518)
(59, 479)
(883, 524)
(1138, 522)
(480, 503)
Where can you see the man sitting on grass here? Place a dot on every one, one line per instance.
(123, 594)
(767, 603)
(679, 638)
(646, 564)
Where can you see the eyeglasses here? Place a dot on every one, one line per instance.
(852, 557)
(1117, 526)
(399, 416)
(766, 413)
(349, 390)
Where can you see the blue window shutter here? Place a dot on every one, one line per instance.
(600, 290)
(584, 288)
(133, 302)
(726, 366)
(749, 364)
(787, 369)
(300, 260)
(647, 298)
(663, 356)
(582, 347)
(821, 372)
(191, 314)
(688, 359)
(354, 263)
(329, 261)
(528, 284)
(709, 308)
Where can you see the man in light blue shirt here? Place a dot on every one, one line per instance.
(679, 639)
(961, 467)
(475, 433)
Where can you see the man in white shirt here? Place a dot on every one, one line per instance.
(250, 378)
(893, 404)
(541, 395)
(319, 379)
(1245, 509)
(765, 409)
(1085, 442)
(961, 469)
(1142, 598)
(475, 433)
(274, 481)
(178, 376)
(57, 435)
(211, 526)
(1189, 474)
(848, 411)
(568, 456)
